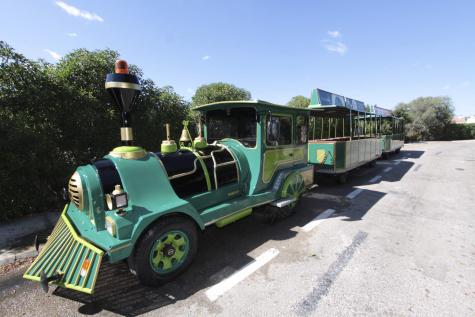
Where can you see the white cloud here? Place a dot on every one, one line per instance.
(206, 57)
(335, 44)
(337, 47)
(447, 87)
(54, 55)
(190, 91)
(69, 9)
(466, 83)
(72, 34)
(335, 34)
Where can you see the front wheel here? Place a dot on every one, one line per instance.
(165, 251)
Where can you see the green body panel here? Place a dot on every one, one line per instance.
(211, 198)
(93, 193)
(280, 157)
(234, 217)
(335, 154)
(315, 155)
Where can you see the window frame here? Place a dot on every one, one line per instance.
(206, 124)
(307, 125)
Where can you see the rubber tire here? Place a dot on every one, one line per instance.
(139, 262)
(272, 214)
(372, 163)
(397, 151)
(342, 178)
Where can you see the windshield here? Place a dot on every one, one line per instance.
(238, 123)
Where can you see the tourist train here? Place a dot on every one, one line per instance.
(147, 207)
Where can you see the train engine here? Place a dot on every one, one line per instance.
(148, 207)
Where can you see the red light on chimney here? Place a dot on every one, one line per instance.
(121, 67)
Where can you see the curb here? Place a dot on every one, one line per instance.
(12, 256)
(15, 236)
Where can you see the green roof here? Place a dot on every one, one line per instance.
(260, 105)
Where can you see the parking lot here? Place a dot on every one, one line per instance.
(398, 239)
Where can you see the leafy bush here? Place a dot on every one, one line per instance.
(55, 117)
(460, 132)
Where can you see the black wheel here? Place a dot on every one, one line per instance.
(342, 178)
(292, 188)
(384, 156)
(271, 214)
(397, 151)
(164, 251)
(372, 163)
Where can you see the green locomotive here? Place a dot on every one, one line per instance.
(148, 207)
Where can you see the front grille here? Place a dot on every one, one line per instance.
(75, 190)
(65, 253)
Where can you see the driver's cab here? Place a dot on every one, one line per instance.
(265, 138)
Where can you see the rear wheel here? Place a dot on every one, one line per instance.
(342, 178)
(397, 151)
(293, 188)
(165, 251)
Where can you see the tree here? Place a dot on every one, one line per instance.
(215, 92)
(299, 102)
(427, 118)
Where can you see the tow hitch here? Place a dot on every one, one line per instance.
(44, 280)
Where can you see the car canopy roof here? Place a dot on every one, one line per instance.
(259, 105)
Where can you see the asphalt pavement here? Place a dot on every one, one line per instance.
(397, 240)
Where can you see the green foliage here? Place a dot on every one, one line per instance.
(299, 102)
(426, 118)
(386, 127)
(218, 92)
(460, 131)
(55, 117)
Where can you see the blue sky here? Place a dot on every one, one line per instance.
(381, 52)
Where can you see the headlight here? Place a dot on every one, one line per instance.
(118, 199)
(111, 226)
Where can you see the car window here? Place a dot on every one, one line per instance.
(280, 129)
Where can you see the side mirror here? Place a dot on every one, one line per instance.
(273, 130)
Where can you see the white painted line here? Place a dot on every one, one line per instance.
(375, 179)
(387, 169)
(225, 285)
(354, 193)
(319, 219)
(397, 162)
